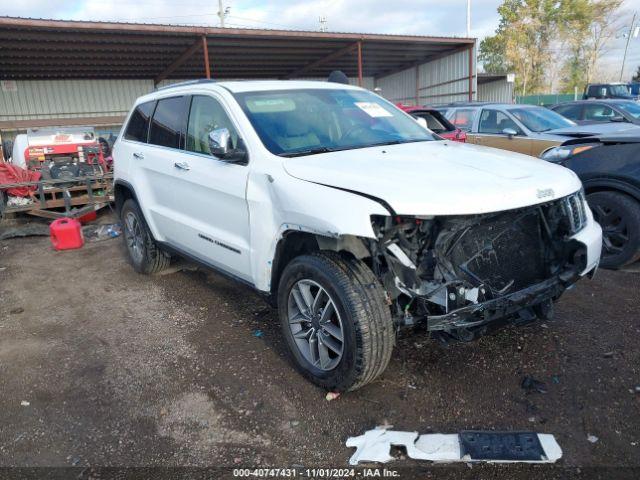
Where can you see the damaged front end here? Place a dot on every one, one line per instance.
(463, 275)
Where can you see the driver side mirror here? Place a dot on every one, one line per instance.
(510, 132)
(617, 118)
(220, 146)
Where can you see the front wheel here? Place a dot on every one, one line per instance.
(619, 216)
(335, 321)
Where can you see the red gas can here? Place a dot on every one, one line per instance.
(66, 234)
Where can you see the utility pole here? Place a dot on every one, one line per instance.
(468, 18)
(633, 32)
(221, 13)
(322, 20)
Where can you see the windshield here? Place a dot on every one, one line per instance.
(541, 119)
(307, 121)
(619, 90)
(631, 108)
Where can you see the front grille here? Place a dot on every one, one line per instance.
(503, 252)
(511, 250)
(575, 211)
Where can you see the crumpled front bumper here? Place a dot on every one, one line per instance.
(500, 308)
(478, 314)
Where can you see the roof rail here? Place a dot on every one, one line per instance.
(187, 82)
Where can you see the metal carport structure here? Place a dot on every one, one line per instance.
(33, 50)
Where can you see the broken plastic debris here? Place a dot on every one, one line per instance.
(494, 447)
(332, 396)
(96, 233)
(24, 403)
(592, 438)
(257, 333)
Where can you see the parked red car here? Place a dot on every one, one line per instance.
(436, 122)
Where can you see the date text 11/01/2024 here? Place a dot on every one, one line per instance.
(316, 472)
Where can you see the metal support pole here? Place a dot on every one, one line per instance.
(205, 52)
(417, 67)
(626, 48)
(360, 81)
(471, 73)
(221, 13)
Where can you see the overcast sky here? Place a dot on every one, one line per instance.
(418, 17)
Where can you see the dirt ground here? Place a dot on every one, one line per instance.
(188, 368)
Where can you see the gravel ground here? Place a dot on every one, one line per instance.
(102, 366)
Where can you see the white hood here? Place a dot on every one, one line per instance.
(439, 177)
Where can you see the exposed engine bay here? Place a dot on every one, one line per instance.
(462, 273)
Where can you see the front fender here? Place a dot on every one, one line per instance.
(281, 203)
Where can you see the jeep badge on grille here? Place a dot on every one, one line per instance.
(545, 192)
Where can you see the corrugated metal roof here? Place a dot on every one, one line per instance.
(46, 49)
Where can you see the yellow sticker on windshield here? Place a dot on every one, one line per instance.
(373, 109)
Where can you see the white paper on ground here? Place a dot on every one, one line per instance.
(374, 446)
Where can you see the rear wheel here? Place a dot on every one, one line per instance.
(144, 253)
(619, 216)
(334, 318)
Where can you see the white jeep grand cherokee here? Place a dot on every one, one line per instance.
(349, 215)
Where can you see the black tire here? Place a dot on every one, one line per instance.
(149, 258)
(619, 216)
(368, 331)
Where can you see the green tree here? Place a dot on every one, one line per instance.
(578, 31)
(521, 42)
(586, 28)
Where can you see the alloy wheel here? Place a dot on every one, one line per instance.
(315, 324)
(615, 234)
(134, 236)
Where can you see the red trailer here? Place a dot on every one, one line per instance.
(56, 173)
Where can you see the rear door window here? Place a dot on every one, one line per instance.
(598, 113)
(572, 112)
(138, 125)
(169, 123)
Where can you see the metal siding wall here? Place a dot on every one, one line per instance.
(401, 86)
(499, 91)
(367, 82)
(454, 67)
(42, 99)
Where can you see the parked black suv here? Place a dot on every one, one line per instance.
(607, 90)
(609, 167)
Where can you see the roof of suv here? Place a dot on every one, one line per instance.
(505, 106)
(243, 86)
(237, 86)
(597, 100)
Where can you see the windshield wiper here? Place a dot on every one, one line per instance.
(310, 151)
(397, 142)
(316, 150)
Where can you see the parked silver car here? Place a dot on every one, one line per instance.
(520, 128)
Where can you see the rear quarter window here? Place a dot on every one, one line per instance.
(138, 125)
(463, 118)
